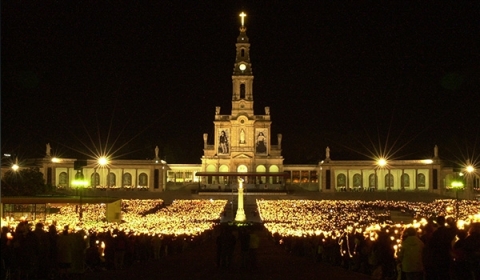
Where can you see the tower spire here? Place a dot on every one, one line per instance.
(242, 78)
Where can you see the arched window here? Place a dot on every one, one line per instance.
(143, 179)
(275, 179)
(341, 180)
(261, 179)
(389, 181)
(127, 179)
(242, 53)
(63, 179)
(372, 179)
(95, 179)
(421, 180)
(405, 180)
(243, 168)
(211, 168)
(112, 179)
(223, 179)
(357, 180)
(242, 91)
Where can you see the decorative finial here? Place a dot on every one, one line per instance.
(243, 15)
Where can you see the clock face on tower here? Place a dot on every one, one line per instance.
(242, 67)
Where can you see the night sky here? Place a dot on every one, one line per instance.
(363, 78)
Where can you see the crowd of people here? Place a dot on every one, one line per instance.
(442, 241)
(64, 244)
(443, 237)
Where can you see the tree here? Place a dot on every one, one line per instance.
(25, 182)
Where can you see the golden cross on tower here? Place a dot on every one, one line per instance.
(243, 15)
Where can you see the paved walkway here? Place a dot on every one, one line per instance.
(199, 263)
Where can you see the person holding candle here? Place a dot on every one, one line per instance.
(410, 255)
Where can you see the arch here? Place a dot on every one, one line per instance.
(242, 91)
(405, 180)
(242, 52)
(372, 181)
(242, 168)
(274, 168)
(95, 179)
(127, 180)
(261, 168)
(211, 168)
(223, 179)
(223, 168)
(357, 180)
(421, 180)
(389, 181)
(143, 179)
(274, 179)
(341, 180)
(261, 179)
(112, 179)
(63, 179)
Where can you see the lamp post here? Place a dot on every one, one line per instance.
(15, 166)
(103, 162)
(79, 184)
(457, 186)
(470, 170)
(383, 163)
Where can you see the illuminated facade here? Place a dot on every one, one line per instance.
(243, 143)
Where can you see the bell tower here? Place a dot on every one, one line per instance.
(242, 78)
(242, 141)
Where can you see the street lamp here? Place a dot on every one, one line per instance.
(457, 186)
(470, 170)
(103, 161)
(381, 164)
(79, 183)
(15, 166)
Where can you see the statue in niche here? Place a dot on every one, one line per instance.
(242, 136)
(223, 148)
(261, 146)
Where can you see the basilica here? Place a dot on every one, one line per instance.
(243, 146)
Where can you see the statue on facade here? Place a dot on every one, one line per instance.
(327, 152)
(48, 150)
(156, 152)
(242, 136)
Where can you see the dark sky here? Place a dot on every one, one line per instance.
(122, 77)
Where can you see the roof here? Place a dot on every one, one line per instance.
(284, 174)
